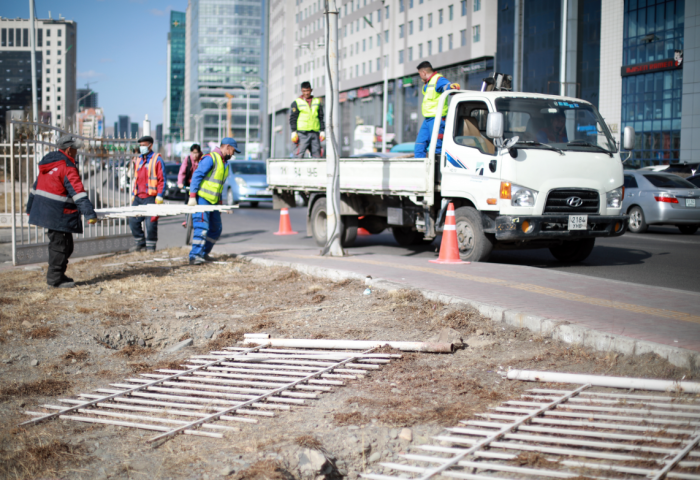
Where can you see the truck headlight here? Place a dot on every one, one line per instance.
(241, 182)
(614, 197)
(522, 197)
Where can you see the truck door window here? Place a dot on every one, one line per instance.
(470, 127)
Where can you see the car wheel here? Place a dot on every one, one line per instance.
(254, 204)
(474, 244)
(637, 222)
(229, 197)
(688, 229)
(573, 251)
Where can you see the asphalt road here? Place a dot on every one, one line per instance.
(662, 257)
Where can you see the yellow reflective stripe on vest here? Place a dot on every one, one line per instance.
(152, 182)
(431, 98)
(213, 184)
(308, 121)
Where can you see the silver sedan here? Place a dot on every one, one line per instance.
(657, 198)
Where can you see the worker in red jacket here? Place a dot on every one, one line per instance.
(149, 186)
(56, 202)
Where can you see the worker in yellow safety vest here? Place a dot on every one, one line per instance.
(205, 189)
(306, 123)
(435, 85)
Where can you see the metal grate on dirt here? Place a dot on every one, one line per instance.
(565, 434)
(218, 390)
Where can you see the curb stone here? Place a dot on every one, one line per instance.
(556, 329)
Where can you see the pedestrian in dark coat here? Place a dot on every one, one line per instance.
(56, 202)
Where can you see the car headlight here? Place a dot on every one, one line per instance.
(522, 197)
(171, 184)
(614, 197)
(241, 182)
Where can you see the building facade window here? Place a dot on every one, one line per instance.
(463, 37)
(386, 36)
(477, 5)
(420, 50)
(464, 8)
(430, 20)
(400, 56)
(410, 54)
(430, 47)
(379, 39)
(451, 12)
(476, 33)
(450, 44)
(410, 27)
(440, 16)
(379, 64)
(401, 8)
(401, 31)
(410, 4)
(420, 24)
(439, 44)
(386, 12)
(652, 102)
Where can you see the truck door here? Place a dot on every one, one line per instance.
(469, 164)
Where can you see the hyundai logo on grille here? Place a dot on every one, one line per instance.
(574, 202)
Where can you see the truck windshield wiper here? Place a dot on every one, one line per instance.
(582, 143)
(539, 144)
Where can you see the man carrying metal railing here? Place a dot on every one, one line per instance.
(56, 202)
(148, 188)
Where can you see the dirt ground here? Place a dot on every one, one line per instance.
(128, 309)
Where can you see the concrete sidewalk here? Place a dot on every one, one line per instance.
(604, 314)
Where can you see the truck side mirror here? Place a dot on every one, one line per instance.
(494, 125)
(629, 138)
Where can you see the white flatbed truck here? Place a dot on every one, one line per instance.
(522, 170)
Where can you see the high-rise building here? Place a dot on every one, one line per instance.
(134, 129)
(224, 55)
(122, 127)
(87, 98)
(626, 57)
(173, 122)
(458, 38)
(56, 45)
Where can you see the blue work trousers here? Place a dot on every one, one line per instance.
(207, 230)
(424, 134)
(150, 238)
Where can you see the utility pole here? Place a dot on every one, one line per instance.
(32, 45)
(334, 228)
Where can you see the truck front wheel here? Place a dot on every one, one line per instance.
(474, 244)
(574, 251)
(319, 224)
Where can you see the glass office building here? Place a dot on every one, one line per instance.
(652, 83)
(227, 55)
(176, 75)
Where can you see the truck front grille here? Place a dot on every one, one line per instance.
(572, 200)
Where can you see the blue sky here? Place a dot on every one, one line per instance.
(122, 45)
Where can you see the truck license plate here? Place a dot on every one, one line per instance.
(690, 202)
(264, 192)
(578, 222)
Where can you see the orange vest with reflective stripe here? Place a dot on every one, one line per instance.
(152, 176)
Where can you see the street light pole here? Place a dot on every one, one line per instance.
(32, 45)
(248, 86)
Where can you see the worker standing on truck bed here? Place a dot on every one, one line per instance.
(435, 85)
(205, 189)
(306, 122)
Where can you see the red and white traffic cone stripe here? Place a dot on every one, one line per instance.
(285, 224)
(449, 247)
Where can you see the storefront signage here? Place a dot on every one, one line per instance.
(657, 66)
(474, 67)
(343, 96)
(407, 81)
(363, 92)
(352, 94)
(375, 90)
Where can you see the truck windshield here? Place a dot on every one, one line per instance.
(562, 124)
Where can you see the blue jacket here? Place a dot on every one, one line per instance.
(205, 165)
(58, 197)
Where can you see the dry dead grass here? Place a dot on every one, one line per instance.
(42, 333)
(534, 460)
(226, 338)
(308, 441)
(46, 388)
(265, 470)
(317, 298)
(131, 351)
(31, 461)
(351, 418)
(80, 355)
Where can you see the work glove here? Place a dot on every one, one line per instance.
(92, 221)
(159, 200)
(192, 202)
(322, 136)
(455, 86)
(295, 137)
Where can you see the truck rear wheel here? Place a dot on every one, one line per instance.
(573, 251)
(474, 244)
(319, 224)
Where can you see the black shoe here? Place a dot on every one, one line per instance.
(64, 285)
(197, 260)
(137, 248)
(67, 279)
(209, 258)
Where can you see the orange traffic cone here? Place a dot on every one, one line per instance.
(362, 232)
(449, 248)
(286, 224)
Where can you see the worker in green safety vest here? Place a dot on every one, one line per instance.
(306, 123)
(435, 85)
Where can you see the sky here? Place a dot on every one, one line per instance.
(122, 48)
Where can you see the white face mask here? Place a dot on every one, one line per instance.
(143, 150)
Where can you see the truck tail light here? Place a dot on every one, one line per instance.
(505, 190)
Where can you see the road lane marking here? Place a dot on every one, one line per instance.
(551, 292)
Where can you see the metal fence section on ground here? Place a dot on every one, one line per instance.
(214, 392)
(104, 169)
